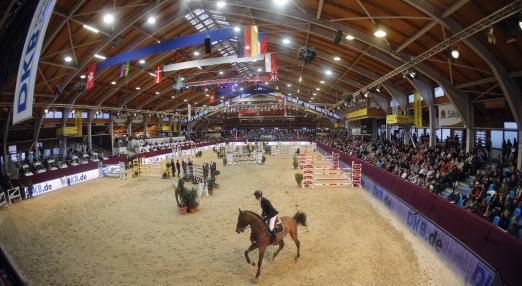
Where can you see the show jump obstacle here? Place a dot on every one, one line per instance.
(238, 155)
(12, 194)
(325, 171)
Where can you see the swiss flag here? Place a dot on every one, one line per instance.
(158, 74)
(90, 76)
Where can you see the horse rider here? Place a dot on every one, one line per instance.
(269, 213)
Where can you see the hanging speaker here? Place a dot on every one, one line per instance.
(338, 36)
(208, 48)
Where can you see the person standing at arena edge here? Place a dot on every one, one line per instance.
(269, 213)
(184, 166)
(173, 166)
(178, 167)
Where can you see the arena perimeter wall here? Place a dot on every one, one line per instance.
(460, 238)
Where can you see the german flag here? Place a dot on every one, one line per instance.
(249, 44)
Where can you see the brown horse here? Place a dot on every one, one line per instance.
(260, 237)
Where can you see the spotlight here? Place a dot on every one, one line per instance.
(491, 36)
(97, 112)
(378, 88)
(237, 29)
(90, 28)
(73, 111)
(142, 61)
(46, 111)
(286, 41)
(151, 20)
(67, 59)
(99, 57)
(157, 92)
(379, 33)
(196, 53)
(82, 76)
(349, 37)
(412, 74)
(366, 93)
(221, 4)
(288, 84)
(108, 18)
(138, 88)
(300, 79)
(328, 72)
(113, 82)
(455, 53)
(337, 59)
(220, 72)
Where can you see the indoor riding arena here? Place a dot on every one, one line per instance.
(276, 142)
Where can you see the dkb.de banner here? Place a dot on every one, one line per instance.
(460, 259)
(27, 70)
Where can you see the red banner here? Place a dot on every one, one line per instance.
(228, 81)
(90, 76)
(158, 74)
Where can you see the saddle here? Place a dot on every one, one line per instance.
(278, 226)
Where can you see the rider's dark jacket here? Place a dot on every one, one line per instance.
(268, 210)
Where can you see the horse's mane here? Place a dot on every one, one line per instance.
(258, 217)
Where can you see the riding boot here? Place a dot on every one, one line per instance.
(273, 236)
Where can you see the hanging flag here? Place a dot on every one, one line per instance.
(263, 43)
(28, 67)
(90, 76)
(250, 42)
(124, 70)
(212, 97)
(158, 74)
(277, 95)
(417, 110)
(78, 123)
(178, 84)
(271, 66)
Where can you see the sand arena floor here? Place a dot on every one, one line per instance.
(112, 232)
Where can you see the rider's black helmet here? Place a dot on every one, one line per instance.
(258, 194)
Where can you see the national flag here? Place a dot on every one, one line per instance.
(124, 70)
(178, 84)
(90, 76)
(263, 43)
(158, 74)
(271, 66)
(250, 42)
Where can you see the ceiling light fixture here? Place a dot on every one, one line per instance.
(108, 18)
(318, 89)
(142, 61)
(322, 82)
(300, 79)
(113, 82)
(455, 53)
(220, 72)
(99, 57)
(286, 41)
(280, 2)
(349, 37)
(379, 33)
(82, 76)
(185, 100)
(221, 4)
(288, 84)
(328, 72)
(196, 53)
(46, 111)
(151, 20)
(337, 59)
(138, 88)
(67, 59)
(259, 69)
(237, 29)
(157, 92)
(90, 28)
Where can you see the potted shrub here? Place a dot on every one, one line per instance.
(263, 159)
(216, 172)
(190, 197)
(164, 175)
(299, 178)
(295, 163)
(180, 198)
(211, 183)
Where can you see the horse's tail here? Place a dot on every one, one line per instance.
(300, 218)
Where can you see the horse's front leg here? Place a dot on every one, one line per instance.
(260, 261)
(252, 247)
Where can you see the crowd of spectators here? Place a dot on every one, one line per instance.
(490, 190)
(272, 134)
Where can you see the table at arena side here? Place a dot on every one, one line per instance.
(499, 249)
(71, 170)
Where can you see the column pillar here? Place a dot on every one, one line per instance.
(519, 155)
(433, 125)
(388, 132)
(90, 119)
(170, 126)
(407, 135)
(470, 139)
(65, 113)
(374, 128)
(158, 128)
(129, 128)
(111, 132)
(146, 119)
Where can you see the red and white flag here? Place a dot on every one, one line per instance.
(158, 74)
(271, 66)
(90, 76)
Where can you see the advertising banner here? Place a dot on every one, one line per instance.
(28, 68)
(55, 184)
(357, 113)
(458, 257)
(449, 116)
(398, 119)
